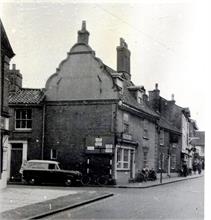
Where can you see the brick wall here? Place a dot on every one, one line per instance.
(68, 127)
(33, 137)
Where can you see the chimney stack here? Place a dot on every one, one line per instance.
(83, 34)
(15, 79)
(123, 59)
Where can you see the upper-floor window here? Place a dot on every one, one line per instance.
(146, 126)
(161, 137)
(23, 119)
(125, 123)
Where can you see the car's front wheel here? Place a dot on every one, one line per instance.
(68, 182)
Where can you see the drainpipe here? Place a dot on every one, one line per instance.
(43, 132)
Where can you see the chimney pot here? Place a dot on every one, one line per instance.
(13, 66)
(156, 86)
(83, 34)
(172, 97)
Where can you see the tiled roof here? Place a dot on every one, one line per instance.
(164, 123)
(129, 99)
(26, 96)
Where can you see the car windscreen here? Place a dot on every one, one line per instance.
(34, 165)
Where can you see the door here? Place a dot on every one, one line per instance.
(16, 161)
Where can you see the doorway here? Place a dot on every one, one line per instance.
(16, 161)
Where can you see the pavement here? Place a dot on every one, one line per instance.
(32, 203)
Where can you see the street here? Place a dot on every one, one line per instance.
(181, 200)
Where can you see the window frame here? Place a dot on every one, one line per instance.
(52, 154)
(23, 119)
(162, 137)
(120, 164)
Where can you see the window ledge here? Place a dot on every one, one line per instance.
(22, 130)
(145, 138)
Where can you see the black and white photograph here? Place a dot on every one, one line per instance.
(104, 109)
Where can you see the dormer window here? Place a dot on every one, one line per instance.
(139, 95)
(119, 83)
(118, 80)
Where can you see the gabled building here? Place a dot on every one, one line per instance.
(6, 55)
(89, 117)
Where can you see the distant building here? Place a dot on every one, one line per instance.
(169, 135)
(6, 54)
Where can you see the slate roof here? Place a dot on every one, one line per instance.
(129, 99)
(26, 96)
(164, 123)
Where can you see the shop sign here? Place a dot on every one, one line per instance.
(127, 136)
(108, 148)
(90, 147)
(98, 142)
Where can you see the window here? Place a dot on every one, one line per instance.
(23, 119)
(145, 159)
(53, 154)
(126, 128)
(123, 158)
(161, 137)
(173, 161)
(146, 134)
(139, 97)
(126, 123)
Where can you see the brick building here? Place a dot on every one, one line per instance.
(6, 55)
(93, 118)
(169, 133)
(87, 112)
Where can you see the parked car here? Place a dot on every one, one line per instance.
(46, 171)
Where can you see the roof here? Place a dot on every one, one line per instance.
(26, 96)
(201, 140)
(164, 123)
(128, 98)
(5, 44)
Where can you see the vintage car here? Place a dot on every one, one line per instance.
(46, 171)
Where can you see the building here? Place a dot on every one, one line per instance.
(6, 55)
(93, 118)
(169, 135)
(88, 115)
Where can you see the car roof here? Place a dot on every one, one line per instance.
(43, 161)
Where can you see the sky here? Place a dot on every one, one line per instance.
(165, 38)
(169, 42)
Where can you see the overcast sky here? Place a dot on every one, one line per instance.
(166, 41)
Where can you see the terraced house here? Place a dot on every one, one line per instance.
(92, 118)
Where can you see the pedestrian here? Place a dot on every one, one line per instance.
(185, 169)
(199, 167)
(194, 166)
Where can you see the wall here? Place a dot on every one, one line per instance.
(33, 137)
(80, 77)
(69, 125)
(136, 129)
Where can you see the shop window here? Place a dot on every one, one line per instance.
(23, 119)
(123, 158)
